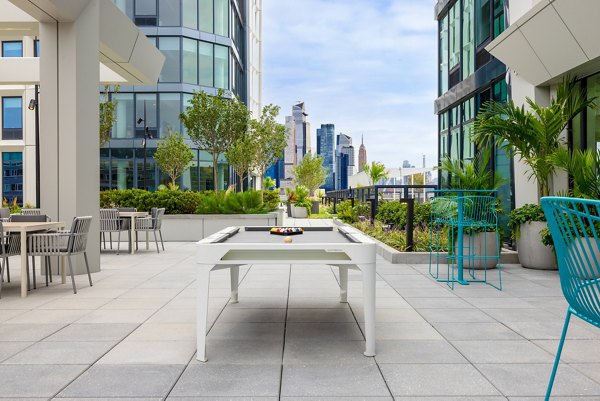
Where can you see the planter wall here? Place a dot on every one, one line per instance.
(532, 253)
(299, 212)
(194, 227)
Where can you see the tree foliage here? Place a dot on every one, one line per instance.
(173, 155)
(270, 138)
(476, 174)
(376, 172)
(533, 135)
(214, 124)
(107, 115)
(583, 168)
(241, 155)
(310, 172)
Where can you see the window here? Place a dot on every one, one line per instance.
(12, 118)
(454, 25)
(205, 63)
(124, 126)
(170, 47)
(36, 48)
(222, 17)
(186, 103)
(190, 13)
(498, 17)
(168, 12)
(206, 15)
(13, 48)
(145, 12)
(126, 6)
(221, 67)
(145, 108)
(12, 176)
(482, 21)
(468, 50)
(443, 55)
(121, 168)
(170, 108)
(190, 61)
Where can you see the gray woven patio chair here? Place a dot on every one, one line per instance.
(64, 243)
(151, 223)
(10, 245)
(31, 212)
(4, 214)
(110, 222)
(34, 218)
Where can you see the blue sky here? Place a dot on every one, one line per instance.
(367, 66)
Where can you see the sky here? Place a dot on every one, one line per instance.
(367, 66)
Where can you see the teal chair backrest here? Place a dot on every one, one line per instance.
(575, 228)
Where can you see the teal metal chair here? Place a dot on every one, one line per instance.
(575, 228)
(443, 216)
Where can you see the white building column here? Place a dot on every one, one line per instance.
(69, 144)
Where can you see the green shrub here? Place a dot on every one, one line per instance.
(349, 214)
(271, 199)
(392, 213)
(248, 202)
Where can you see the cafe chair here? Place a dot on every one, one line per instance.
(151, 223)
(110, 222)
(10, 245)
(64, 243)
(34, 218)
(575, 228)
(31, 212)
(4, 214)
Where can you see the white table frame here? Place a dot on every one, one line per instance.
(133, 236)
(358, 255)
(27, 227)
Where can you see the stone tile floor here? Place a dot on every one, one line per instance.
(132, 336)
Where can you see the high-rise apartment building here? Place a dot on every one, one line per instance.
(469, 76)
(289, 154)
(208, 45)
(344, 161)
(326, 148)
(362, 155)
(301, 131)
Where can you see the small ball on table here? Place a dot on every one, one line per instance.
(287, 240)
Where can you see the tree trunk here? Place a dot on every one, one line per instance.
(216, 172)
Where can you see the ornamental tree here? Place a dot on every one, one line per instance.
(269, 137)
(215, 123)
(310, 172)
(173, 156)
(376, 172)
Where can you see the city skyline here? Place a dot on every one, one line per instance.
(376, 80)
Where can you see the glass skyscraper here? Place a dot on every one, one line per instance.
(326, 148)
(208, 45)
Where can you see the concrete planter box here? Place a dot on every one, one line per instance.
(299, 212)
(532, 253)
(194, 227)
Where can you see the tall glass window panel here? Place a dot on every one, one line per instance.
(145, 7)
(443, 55)
(190, 13)
(12, 176)
(121, 168)
(205, 63)
(170, 47)
(147, 102)
(498, 17)
(191, 177)
(454, 26)
(146, 179)
(482, 21)
(12, 48)
(186, 98)
(190, 61)
(222, 17)
(12, 118)
(221, 67)
(205, 16)
(468, 53)
(124, 126)
(36, 48)
(170, 107)
(468, 145)
(168, 12)
(104, 169)
(126, 6)
(455, 144)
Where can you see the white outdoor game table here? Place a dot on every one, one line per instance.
(341, 246)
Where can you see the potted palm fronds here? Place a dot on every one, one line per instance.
(533, 135)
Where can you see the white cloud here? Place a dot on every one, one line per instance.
(366, 66)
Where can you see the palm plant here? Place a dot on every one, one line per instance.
(584, 169)
(376, 172)
(476, 174)
(534, 135)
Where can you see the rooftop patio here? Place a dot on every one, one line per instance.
(132, 335)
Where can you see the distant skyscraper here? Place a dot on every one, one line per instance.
(406, 164)
(362, 155)
(302, 131)
(344, 161)
(326, 148)
(289, 154)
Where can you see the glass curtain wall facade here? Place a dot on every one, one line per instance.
(204, 43)
(326, 148)
(468, 77)
(585, 128)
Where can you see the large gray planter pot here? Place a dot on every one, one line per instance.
(532, 253)
(299, 212)
(483, 244)
(289, 209)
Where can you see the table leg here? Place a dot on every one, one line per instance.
(235, 280)
(63, 271)
(147, 242)
(202, 312)
(24, 286)
(133, 236)
(343, 284)
(368, 277)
